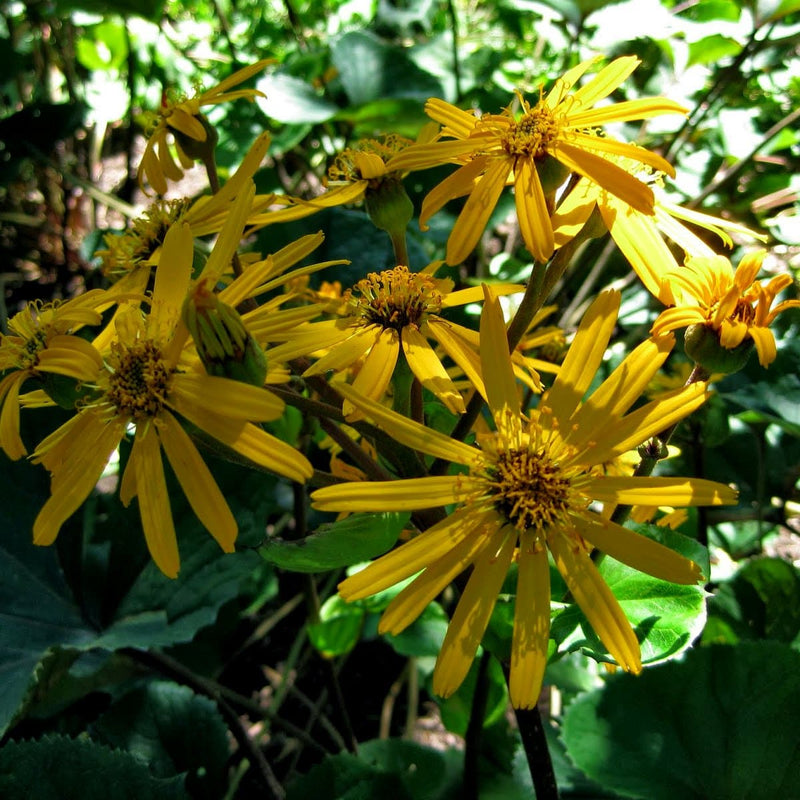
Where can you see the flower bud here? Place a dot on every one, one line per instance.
(223, 343)
(388, 205)
(702, 345)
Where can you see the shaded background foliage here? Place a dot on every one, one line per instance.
(181, 689)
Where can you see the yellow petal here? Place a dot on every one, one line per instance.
(532, 212)
(765, 345)
(154, 508)
(351, 345)
(472, 220)
(416, 554)
(644, 422)
(225, 397)
(376, 372)
(422, 156)
(429, 371)
(10, 440)
(472, 613)
(82, 455)
(583, 357)
(402, 495)
(199, 486)
(678, 317)
(623, 387)
(410, 433)
(596, 601)
(187, 124)
(611, 77)
(172, 281)
(606, 174)
(253, 443)
(413, 599)
(461, 182)
(635, 550)
(531, 624)
(460, 123)
(498, 376)
(625, 111)
(661, 491)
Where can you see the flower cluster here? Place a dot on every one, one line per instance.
(513, 451)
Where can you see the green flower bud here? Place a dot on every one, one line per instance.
(223, 343)
(388, 205)
(702, 345)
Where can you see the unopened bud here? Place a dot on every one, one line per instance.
(224, 344)
(703, 346)
(388, 205)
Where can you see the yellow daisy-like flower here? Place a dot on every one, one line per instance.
(184, 121)
(560, 133)
(356, 172)
(146, 386)
(41, 344)
(641, 237)
(530, 488)
(734, 306)
(387, 312)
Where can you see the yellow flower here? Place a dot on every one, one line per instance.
(640, 236)
(189, 128)
(356, 172)
(41, 344)
(385, 313)
(530, 488)
(734, 306)
(146, 385)
(559, 134)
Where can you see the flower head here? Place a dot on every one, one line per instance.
(383, 314)
(558, 134)
(731, 305)
(530, 487)
(42, 344)
(148, 385)
(183, 120)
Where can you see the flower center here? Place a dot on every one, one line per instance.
(345, 166)
(744, 312)
(532, 134)
(529, 489)
(140, 382)
(396, 297)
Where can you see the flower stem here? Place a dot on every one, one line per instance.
(472, 739)
(534, 741)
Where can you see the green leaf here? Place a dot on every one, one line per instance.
(106, 50)
(384, 769)
(356, 538)
(292, 100)
(371, 70)
(59, 768)
(407, 117)
(712, 48)
(762, 601)
(424, 636)
(338, 629)
(721, 725)
(456, 709)
(665, 616)
(158, 724)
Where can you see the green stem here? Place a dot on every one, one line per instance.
(400, 247)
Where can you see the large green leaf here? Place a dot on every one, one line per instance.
(292, 100)
(383, 769)
(338, 629)
(338, 544)
(59, 768)
(762, 601)
(371, 70)
(158, 724)
(666, 616)
(721, 725)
